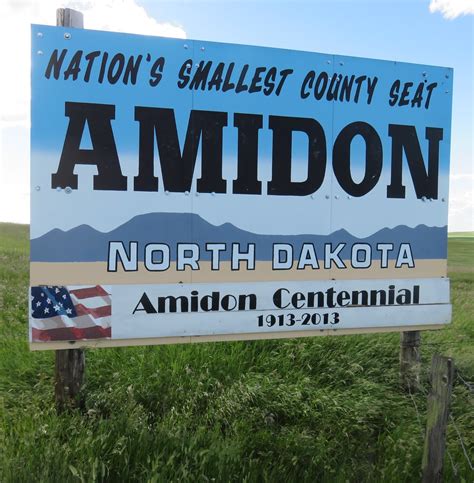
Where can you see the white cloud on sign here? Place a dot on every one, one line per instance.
(452, 9)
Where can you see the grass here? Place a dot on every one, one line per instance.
(320, 409)
(461, 234)
(461, 255)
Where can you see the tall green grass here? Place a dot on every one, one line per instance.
(316, 409)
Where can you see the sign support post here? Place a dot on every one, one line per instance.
(70, 363)
(410, 360)
(442, 375)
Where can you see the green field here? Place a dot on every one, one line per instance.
(461, 234)
(321, 409)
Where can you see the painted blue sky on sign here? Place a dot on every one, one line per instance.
(49, 95)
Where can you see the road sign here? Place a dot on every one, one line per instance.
(187, 190)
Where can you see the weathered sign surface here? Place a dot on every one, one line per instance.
(190, 190)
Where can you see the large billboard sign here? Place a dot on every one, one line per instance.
(185, 190)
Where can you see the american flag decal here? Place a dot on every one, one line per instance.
(70, 313)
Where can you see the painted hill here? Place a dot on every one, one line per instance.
(85, 244)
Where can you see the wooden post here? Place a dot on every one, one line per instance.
(67, 17)
(442, 375)
(70, 363)
(410, 360)
(69, 375)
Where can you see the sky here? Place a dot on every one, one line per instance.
(437, 32)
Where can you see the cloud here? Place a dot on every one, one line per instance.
(452, 9)
(17, 15)
(124, 16)
(461, 212)
(461, 202)
(462, 177)
(114, 15)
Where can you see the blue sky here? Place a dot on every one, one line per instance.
(395, 30)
